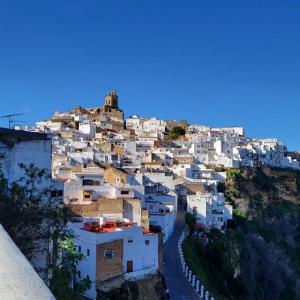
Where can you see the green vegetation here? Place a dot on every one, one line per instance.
(175, 133)
(66, 270)
(221, 187)
(194, 253)
(191, 221)
(259, 255)
(262, 181)
(231, 192)
(28, 213)
(213, 265)
(239, 213)
(34, 219)
(233, 173)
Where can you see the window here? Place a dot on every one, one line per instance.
(87, 196)
(130, 240)
(109, 254)
(90, 182)
(124, 192)
(79, 249)
(87, 182)
(147, 242)
(88, 252)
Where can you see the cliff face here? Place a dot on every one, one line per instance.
(261, 258)
(151, 288)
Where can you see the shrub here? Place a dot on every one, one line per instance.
(191, 221)
(175, 133)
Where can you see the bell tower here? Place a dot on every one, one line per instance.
(111, 100)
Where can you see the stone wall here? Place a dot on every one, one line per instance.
(113, 176)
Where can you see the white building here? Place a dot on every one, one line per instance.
(23, 147)
(114, 248)
(209, 209)
(87, 128)
(29, 148)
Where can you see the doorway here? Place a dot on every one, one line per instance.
(129, 266)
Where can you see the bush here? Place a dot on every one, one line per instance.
(231, 192)
(175, 133)
(262, 181)
(221, 187)
(240, 213)
(191, 221)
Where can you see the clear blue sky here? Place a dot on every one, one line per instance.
(219, 63)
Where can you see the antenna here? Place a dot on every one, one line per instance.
(10, 118)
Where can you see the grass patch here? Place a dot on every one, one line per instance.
(195, 255)
(239, 213)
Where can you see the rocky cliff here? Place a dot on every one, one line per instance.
(151, 288)
(259, 255)
(267, 210)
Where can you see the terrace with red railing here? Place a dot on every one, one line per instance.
(108, 226)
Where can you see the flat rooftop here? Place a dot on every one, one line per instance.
(10, 136)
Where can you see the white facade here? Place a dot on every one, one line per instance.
(19, 147)
(88, 129)
(209, 209)
(139, 246)
(162, 211)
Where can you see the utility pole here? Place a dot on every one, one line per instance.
(11, 120)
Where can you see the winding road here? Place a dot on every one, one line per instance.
(177, 283)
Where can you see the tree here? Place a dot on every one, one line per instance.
(35, 220)
(66, 271)
(175, 133)
(33, 217)
(28, 212)
(191, 221)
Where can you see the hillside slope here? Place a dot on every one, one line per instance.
(259, 255)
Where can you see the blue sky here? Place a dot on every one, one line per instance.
(219, 63)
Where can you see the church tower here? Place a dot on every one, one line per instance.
(111, 100)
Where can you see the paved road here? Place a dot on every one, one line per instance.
(178, 285)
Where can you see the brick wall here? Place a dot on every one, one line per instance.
(109, 268)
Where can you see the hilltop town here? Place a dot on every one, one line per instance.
(126, 179)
